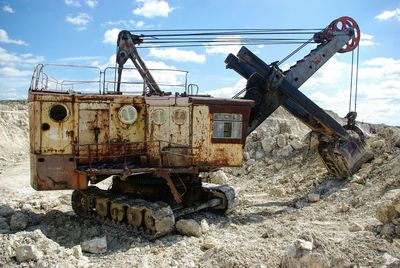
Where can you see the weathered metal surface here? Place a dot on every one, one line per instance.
(34, 127)
(210, 152)
(201, 134)
(157, 133)
(56, 136)
(55, 172)
(93, 132)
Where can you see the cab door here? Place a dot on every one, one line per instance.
(93, 132)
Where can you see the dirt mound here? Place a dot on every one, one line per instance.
(289, 211)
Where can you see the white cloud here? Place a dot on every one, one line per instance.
(153, 8)
(74, 3)
(129, 23)
(77, 3)
(219, 48)
(367, 40)
(81, 20)
(12, 59)
(378, 89)
(177, 55)
(91, 3)
(4, 38)
(8, 9)
(111, 36)
(228, 92)
(79, 59)
(13, 72)
(388, 14)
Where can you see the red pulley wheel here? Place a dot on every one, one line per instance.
(345, 23)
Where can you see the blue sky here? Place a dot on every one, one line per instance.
(84, 32)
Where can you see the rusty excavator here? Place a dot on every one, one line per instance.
(155, 144)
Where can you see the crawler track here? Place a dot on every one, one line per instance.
(157, 218)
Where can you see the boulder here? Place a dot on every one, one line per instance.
(300, 254)
(188, 227)
(205, 228)
(77, 252)
(378, 144)
(278, 165)
(389, 208)
(96, 245)
(285, 151)
(313, 197)
(27, 253)
(259, 155)
(390, 261)
(19, 221)
(281, 140)
(218, 177)
(267, 145)
(296, 144)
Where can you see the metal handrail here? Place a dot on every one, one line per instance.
(41, 81)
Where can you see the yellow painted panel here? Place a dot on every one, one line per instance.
(56, 137)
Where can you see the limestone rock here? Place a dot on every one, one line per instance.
(285, 151)
(388, 209)
(189, 227)
(205, 228)
(27, 253)
(281, 140)
(355, 228)
(267, 145)
(209, 243)
(96, 245)
(218, 177)
(296, 144)
(300, 254)
(77, 251)
(278, 165)
(259, 155)
(284, 127)
(378, 144)
(19, 221)
(278, 191)
(313, 197)
(358, 179)
(390, 261)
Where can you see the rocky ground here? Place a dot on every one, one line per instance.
(290, 213)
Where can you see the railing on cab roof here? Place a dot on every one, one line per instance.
(104, 81)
